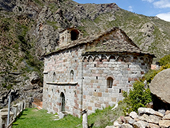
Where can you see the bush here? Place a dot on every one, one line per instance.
(150, 75)
(164, 60)
(165, 67)
(138, 97)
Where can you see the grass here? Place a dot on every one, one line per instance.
(105, 117)
(34, 118)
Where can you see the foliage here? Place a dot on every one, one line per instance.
(53, 24)
(137, 97)
(165, 67)
(33, 118)
(104, 117)
(150, 75)
(164, 60)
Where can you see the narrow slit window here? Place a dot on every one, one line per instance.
(54, 77)
(71, 75)
(109, 82)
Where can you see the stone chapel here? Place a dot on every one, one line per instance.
(91, 73)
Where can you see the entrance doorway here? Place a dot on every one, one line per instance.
(62, 102)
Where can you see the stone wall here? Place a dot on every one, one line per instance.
(146, 118)
(82, 79)
(62, 74)
(124, 69)
(15, 111)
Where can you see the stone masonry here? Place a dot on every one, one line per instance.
(91, 73)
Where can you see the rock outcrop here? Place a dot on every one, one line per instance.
(147, 118)
(160, 85)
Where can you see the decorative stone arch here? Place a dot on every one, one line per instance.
(104, 57)
(112, 58)
(84, 59)
(96, 58)
(90, 59)
(127, 59)
(120, 58)
(62, 101)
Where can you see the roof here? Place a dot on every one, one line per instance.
(113, 40)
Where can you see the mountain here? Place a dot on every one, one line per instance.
(30, 28)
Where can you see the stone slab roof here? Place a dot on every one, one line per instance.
(113, 40)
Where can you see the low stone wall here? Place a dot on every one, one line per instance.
(15, 111)
(146, 118)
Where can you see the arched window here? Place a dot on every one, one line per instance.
(74, 35)
(71, 75)
(62, 97)
(109, 82)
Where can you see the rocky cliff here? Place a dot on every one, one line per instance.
(30, 28)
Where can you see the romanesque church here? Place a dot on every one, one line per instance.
(91, 73)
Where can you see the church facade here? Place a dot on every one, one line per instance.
(91, 73)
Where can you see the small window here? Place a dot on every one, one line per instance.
(63, 39)
(109, 82)
(120, 90)
(96, 77)
(71, 75)
(54, 77)
(74, 35)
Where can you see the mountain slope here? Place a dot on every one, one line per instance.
(30, 28)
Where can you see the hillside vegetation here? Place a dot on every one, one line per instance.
(30, 28)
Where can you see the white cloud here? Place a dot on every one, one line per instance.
(164, 16)
(150, 1)
(162, 4)
(130, 8)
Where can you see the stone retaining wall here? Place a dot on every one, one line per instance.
(146, 118)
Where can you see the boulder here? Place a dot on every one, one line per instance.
(149, 111)
(160, 85)
(116, 124)
(141, 124)
(126, 126)
(167, 112)
(133, 115)
(129, 120)
(166, 117)
(111, 127)
(164, 123)
(153, 125)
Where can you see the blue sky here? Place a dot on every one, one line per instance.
(159, 8)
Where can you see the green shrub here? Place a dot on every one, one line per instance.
(165, 67)
(150, 75)
(137, 97)
(164, 60)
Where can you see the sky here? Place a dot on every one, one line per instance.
(159, 8)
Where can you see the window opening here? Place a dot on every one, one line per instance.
(62, 102)
(74, 35)
(54, 77)
(71, 75)
(120, 90)
(109, 82)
